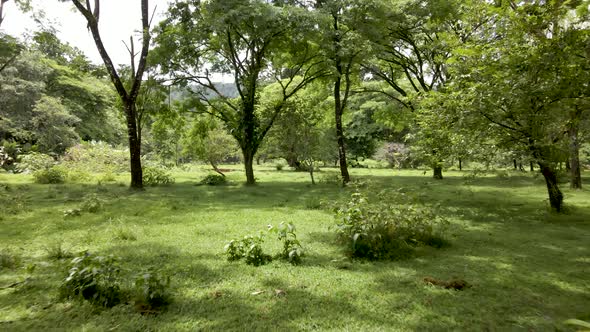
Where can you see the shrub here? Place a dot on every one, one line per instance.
(292, 250)
(331, 178)
(249, 248)
(57, 251)
(151, 291)
(8, 259)
(34, 162)
(91, 203)
(53, 175)
(93, 278)
(214, 180)
(387, 230)
(279, 167)
(153, 176)
(97, 157)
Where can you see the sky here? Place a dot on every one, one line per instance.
(118, 21)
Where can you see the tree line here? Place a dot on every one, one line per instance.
(323, 79)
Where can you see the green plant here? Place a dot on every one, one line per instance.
(91, 203)
(331, 178)
(93, 278)
(313, 203)
(124, 233)
(34, 161)
(51, 175)
(57, 251)
(249, 248)
(388, 229)
(151, 291)
(279, 167)
(214, 180)
(8, 259)
(292, 250)
(153, 176)
(72, 213)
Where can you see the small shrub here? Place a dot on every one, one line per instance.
(34, 161)
(53, 175)
(331, 178)
(214, 180)
(93, 278)
(91, 203)
(292, 250)
(249, 248)
(124, 233)
(389, 229)
(8, 259)
(153, 176)
(57, 251)
(151, 291)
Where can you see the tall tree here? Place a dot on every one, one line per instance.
(128, 95)
(253, 41)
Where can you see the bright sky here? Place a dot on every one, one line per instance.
(118, 20)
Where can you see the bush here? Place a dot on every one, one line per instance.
(214, 180)
(153, 176)
(279, 167)
(57, 251)
(151, 291)
(8, 259)
(97, 157)
(389, 229)
(292, 250)
(34, 162)
(93, 278)
(91, 203)
(250, 248)
(53, 175)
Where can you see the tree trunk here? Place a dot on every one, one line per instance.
(134, 147)
(532, 167)
(574, 161)
(555, 195)
(437, 171)
(215, 168)
(311, 173)
(460, 164)
(248, 161)
(340, 133)
(515, 166)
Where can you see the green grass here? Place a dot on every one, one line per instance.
(530, 269)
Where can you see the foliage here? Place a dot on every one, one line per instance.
(249, 248)
(93, 278)
(151, 290)
(208, 141)
(214, 180)
(91, 203)
(52, 175)
(97, 157)
(292, 250)
(388, 229)
(57, 251)
(153, 176)
(9, 259)
(33, 162)
(331, 178)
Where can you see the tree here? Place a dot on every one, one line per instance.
(254, 41)
(128, 96)
(511, 74)
(53, 126)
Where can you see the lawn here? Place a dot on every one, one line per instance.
(529, 269)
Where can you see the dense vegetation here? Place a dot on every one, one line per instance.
(337, 110)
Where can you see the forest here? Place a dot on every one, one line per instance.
(396, 165)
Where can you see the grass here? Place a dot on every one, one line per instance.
(530, 269)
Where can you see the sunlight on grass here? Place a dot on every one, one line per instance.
(528, 269)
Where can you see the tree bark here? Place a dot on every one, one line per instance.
(555, 195)
(215, 168)
(574, 161)
(248, 161)
(437, 171)
(460, 164)
(340, 133)
(532, 167)
(134, 148)
(515, 166)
